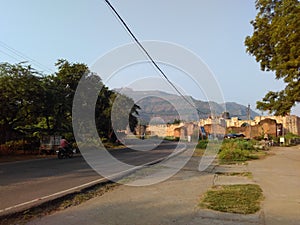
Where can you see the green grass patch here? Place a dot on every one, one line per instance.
(241, 199)
(242, 174)
(111, 146)
(171, 138)
(199, 152)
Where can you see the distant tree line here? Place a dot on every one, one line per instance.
(34, 104)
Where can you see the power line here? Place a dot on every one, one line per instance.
(147, 54)
(7, 54)
(23, 57)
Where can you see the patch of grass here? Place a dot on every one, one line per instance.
(242, 199)
(199, 152)
(242, 174)
(171, 138)
(112, 146)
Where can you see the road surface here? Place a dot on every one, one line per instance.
(25, 183)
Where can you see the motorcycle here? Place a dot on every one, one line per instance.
(63, 153)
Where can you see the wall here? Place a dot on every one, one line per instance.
(181, 130)
(266, 126)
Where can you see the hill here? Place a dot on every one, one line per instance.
(169, 106)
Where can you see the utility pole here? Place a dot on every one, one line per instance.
(249, 120)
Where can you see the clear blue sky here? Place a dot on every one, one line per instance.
(84, 30)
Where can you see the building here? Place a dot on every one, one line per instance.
(290, 123)
(261, 126)
(270, 125)
(181, 130)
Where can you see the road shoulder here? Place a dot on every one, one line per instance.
(278, 176)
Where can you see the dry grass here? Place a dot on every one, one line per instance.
(242, 199)
(58, 204)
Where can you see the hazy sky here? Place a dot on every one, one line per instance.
(84, 30)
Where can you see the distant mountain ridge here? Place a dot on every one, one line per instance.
(157, 104)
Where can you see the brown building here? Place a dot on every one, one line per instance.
(267, 127)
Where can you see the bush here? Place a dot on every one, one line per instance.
(202, 144)
(291, 139)
(12, 147)
(237, 150)
(238, 144)
(246, 145)
(237, 155)
(4, 150)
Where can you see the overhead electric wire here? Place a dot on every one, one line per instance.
(7, 54)
(147, 54)
(23, 57)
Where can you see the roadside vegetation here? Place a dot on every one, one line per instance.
(58, 204)
(241, 174)
(242, 199)
(238, 150)
(291, 139)
(234, 150)
(34, 104)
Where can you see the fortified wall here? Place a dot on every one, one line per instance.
(284, 124)
(182, 130)
(261, 125)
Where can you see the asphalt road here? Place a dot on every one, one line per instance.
(25, 183)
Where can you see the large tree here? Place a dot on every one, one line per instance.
(19, 100)
(275, 43)
(35, 104)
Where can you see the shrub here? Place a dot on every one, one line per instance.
(291, 138)
(246, 145)
(239, 155)
(238, 144)
(202, 144)
(4, 150)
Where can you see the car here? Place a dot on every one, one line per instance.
(233, 135)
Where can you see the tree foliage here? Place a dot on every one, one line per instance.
(19, 99)
(276, 46)
(32, 104)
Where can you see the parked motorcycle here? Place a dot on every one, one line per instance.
(63, 153)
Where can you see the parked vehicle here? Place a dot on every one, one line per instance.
(49, 144)
(229, 136)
